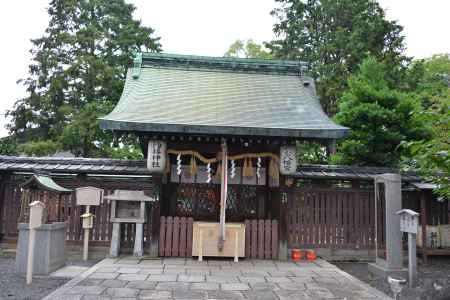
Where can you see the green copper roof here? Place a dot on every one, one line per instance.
(224, 96)
(46, 183)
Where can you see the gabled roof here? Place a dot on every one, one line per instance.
(44, 182)
(221, 96)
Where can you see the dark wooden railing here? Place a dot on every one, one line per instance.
(175, 236)
(261, 239)
(331, 218)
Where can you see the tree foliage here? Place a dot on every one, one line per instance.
(248, 49)
(432, 156)
(380, 119)
(77, 72)
(334, 37)
(8, 146)
(39, 148)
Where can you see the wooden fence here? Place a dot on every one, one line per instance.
(331, 218)
(261, 239)
(101, 232)
(175, 236)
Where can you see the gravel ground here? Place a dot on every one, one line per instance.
(13, 286)
(433, 281)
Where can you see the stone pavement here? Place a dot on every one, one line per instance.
(174, 278)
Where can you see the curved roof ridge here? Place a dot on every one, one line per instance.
(224, 63)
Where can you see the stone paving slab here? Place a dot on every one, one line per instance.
(179, 278)
(69, 271)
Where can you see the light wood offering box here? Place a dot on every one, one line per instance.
(206, 238)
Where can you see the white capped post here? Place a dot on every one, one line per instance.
(36, 215)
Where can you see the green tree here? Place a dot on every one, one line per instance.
(310, 152)
(83, 135)
(39, 148)
(432, 156)
(334, 37)
(248, 49)
(8, 146)
(379, 117)
(81, 59)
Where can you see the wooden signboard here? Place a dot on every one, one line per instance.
(89, 195)
(409, 220)
(206, 238)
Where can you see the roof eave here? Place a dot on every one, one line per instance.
(325, 133)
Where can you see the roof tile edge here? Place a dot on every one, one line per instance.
(227, 63)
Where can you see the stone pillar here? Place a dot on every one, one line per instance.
(394, 257)
(115, 240)
(139, 240)
(393, 265)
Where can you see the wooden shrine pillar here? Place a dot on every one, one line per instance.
(423, 221)
(155, 218)
(283, 226)
(281, 213)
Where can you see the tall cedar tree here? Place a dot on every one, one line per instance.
(81, 59)
(380, 119)
(334, 37)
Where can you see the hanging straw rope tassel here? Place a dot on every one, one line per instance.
(193, 169)
(245, 168)
(248, 169)
(274, 171)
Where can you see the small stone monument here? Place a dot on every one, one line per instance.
(128, 207)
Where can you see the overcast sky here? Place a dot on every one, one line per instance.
(203, 27)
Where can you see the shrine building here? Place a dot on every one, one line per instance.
(193, 113)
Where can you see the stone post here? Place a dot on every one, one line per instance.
(115, 240)
(394, 254)
(139, 240)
